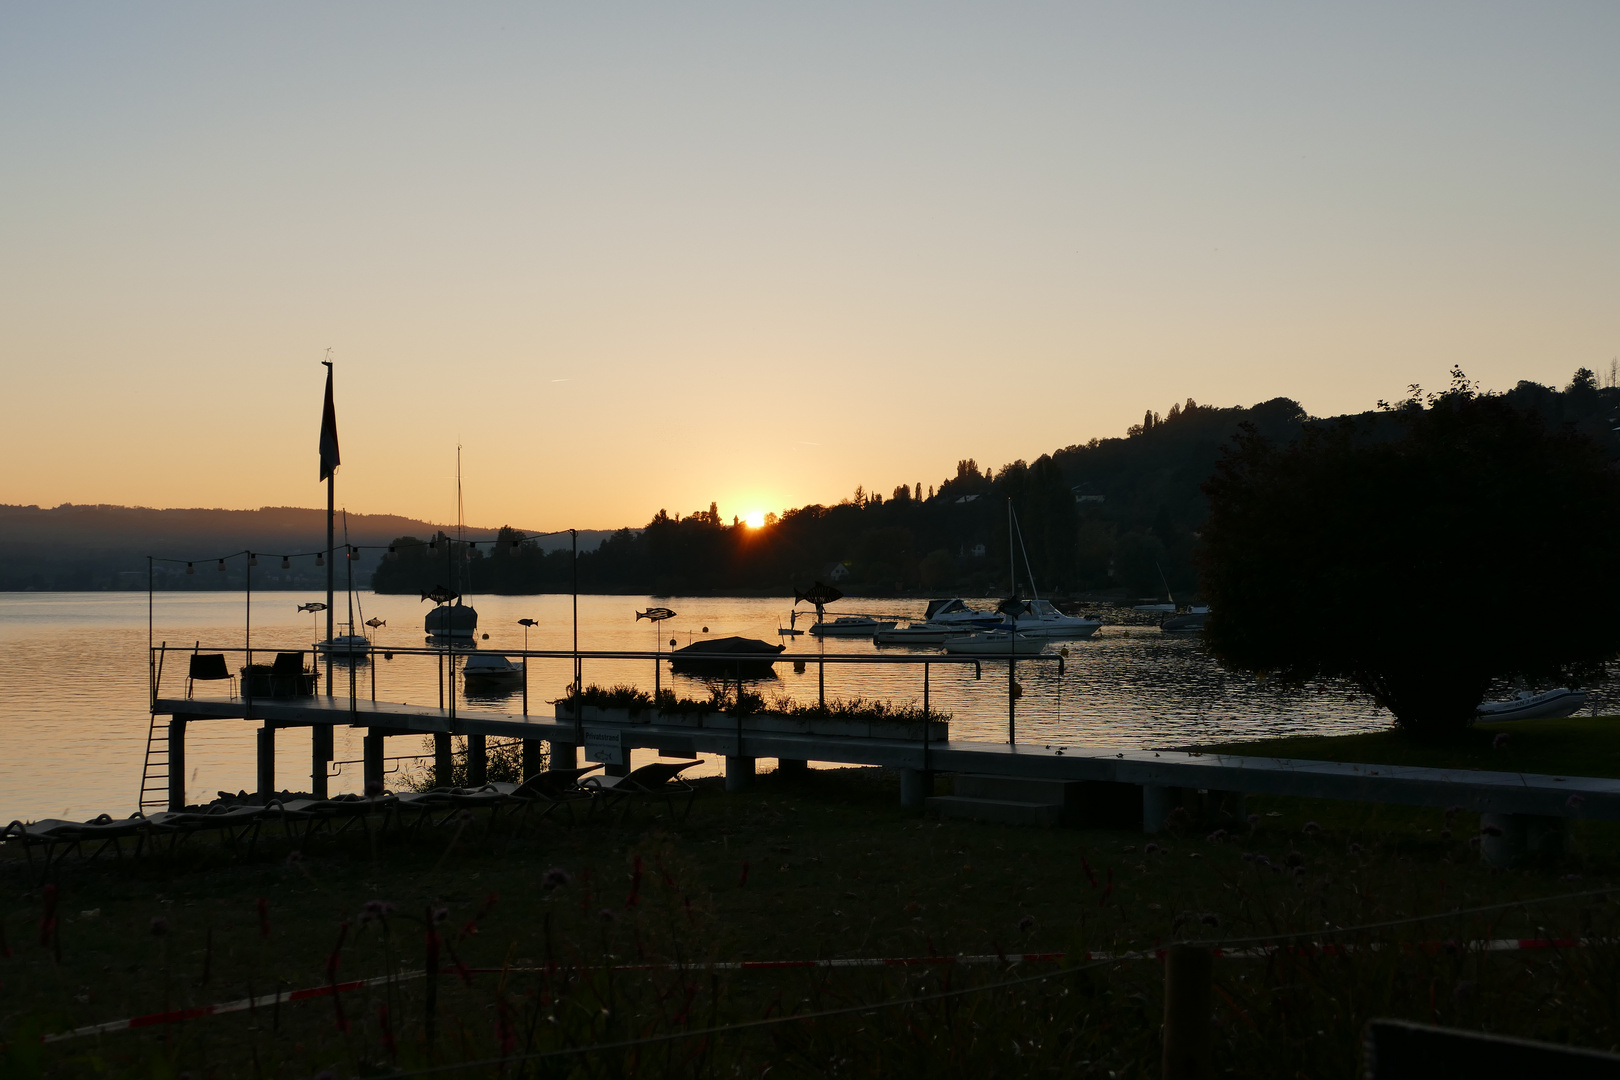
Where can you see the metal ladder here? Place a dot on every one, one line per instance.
(155, 772)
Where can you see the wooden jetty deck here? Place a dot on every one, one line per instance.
(1146, 785)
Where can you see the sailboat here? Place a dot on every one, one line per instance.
(451, 619)
(350, 644)
(1041, 618)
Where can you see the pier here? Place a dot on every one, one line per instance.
(1123, 787)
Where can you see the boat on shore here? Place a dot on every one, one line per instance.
(1549, 705)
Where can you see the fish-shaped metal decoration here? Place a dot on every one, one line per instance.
(528, 622)
(817, 594)
(1013, 607)
(656, 614)
(376, 623)
(314, 605)
(441, 595)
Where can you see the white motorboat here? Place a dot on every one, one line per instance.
(996, 644)
(921, 633)
(1044, 620)
(851, 626)
(1552, 704)
(490, 669)
(956, 614)
(345, 645)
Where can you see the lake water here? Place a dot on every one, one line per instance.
(73, 698)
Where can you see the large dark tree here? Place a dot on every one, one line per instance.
(1421, 553)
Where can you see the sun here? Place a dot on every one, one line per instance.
(754, 519)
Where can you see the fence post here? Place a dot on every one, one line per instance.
(1189, 972)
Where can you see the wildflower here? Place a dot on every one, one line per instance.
(1473, 841)
(374, 788)
(294, 858)
(555, 878)
(1253, 819)
(1247, 856)
(1209, 918)
(1026, 924)
(1500, 741)
(607, 915)
(376, 909)
(1294, 858)
(1151, 849)
(160, 926)
(1490, 830)
(1355, 849)
(1217, 836)
(1450, 810)
(1261, 860)
(1299, 871)
(1311, 828)
(440, 914)
(1462, 992)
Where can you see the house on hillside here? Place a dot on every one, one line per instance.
(1086, 493)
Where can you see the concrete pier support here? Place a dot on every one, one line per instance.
(177, 765)
(267, 763)
(1511, 839)
(531, 757)
(477, 762)
(373, 756)
(1157, 803)
(320, 754)
(789, 766)
(444, 759)
(739, 773)
(916, 785)
(564, 755)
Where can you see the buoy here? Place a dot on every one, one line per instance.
(798, 667)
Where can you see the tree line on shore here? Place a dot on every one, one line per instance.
(1117, 516)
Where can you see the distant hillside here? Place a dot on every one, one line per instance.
(105, 547)
(1110, 517)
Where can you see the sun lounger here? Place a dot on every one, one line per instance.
(658, 780)
(547, 791)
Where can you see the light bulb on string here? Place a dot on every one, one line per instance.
(253, 560)
(320, 559)
(190, 569)
(286, 563)
(221, 566)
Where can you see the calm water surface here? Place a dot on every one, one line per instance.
(73, 697)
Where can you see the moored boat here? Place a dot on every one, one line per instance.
(1549, 705)
(851, 626)
(996, 644)
(490, 669)
(1044, 620)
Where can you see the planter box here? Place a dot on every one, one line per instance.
(767, 723)
(258, 681)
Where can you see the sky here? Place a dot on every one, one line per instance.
(643, 256)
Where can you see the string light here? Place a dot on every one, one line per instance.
(354, 554)
(253, 560)
(391, 552)
(286, 563)
(190, 569)
(320, 559)
(513, 550)
(222, 566)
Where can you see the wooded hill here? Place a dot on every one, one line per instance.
(1111, 517)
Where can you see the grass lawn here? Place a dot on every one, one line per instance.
(825, 866)
(1574, 746)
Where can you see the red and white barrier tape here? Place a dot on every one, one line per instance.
(267, 1001)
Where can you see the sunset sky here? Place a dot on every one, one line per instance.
(644, 256)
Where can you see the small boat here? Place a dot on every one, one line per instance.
(1044, 620)
(1189, 621)
(748, 658)
(490, 669)
(851, 626)
(451, 621)
(1155, 609)
(997, 644)
(1549, 705)
(921, 633)
(345, 645)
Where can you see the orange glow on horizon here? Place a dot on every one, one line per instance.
(754, 519)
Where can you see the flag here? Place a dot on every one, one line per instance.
(329, 442)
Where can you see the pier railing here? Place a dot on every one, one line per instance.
(348, 680)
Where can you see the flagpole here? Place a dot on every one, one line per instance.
(331, 503)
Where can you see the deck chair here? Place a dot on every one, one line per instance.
(658, 780)
(550, 790)
(208, 667)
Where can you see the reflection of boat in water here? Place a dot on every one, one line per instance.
(997, 644)
(851, 626)
(1044, 620)
(490, 671)
(749, 658)
(1189, 621)
(1552, 704)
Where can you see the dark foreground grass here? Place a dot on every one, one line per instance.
(827, 866)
